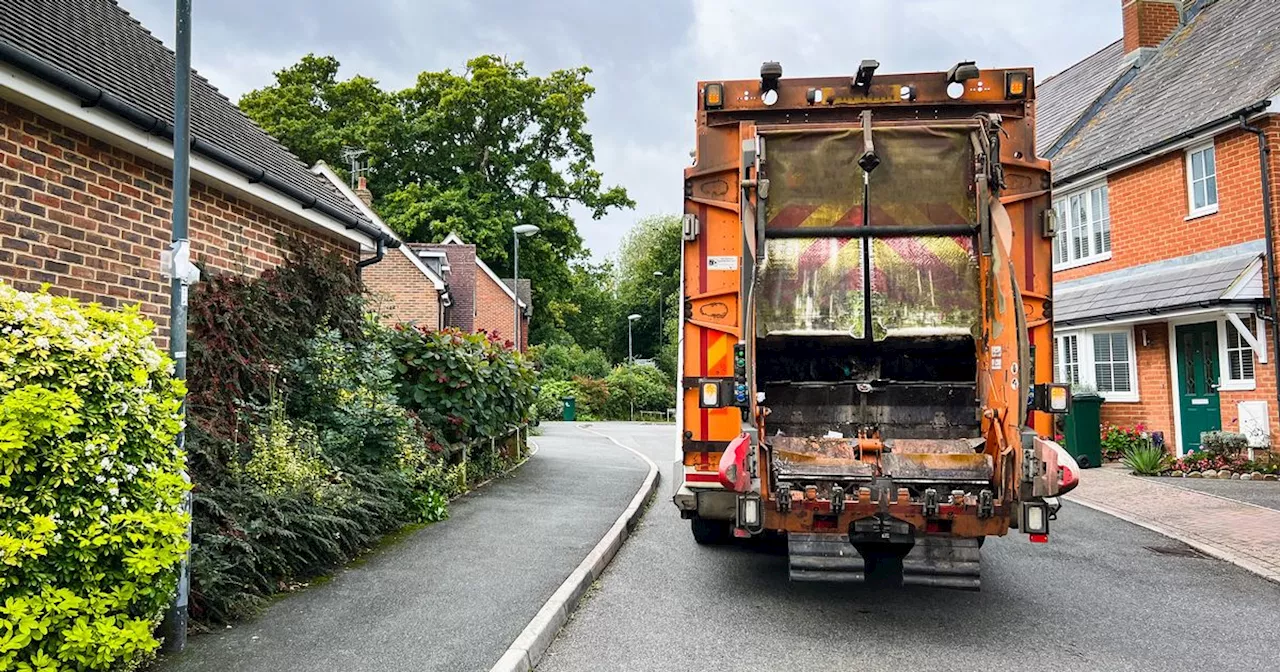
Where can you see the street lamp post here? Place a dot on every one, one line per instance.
(661, 326)
(631, 319)
(516, 232)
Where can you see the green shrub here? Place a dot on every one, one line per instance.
(564, 362)
(91, 522)
(593, 396)
(1225, 443)
(1146, 459)
(465, 385)
(550, 394)
(1117, 441)
(647, 387)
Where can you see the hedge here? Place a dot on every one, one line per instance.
(92, 527)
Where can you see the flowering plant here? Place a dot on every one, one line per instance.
(92, 526)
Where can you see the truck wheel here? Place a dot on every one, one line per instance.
(710, 532)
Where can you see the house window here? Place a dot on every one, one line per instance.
(1238, 360)
(1202, 181)
(1111, 362)
(1084, 228)
(1066, 360)
(1102, 360)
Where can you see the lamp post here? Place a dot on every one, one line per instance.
(661, 326)
(631, 319)
(516, 232)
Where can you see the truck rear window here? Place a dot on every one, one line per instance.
(919, 284)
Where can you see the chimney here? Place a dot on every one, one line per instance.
(1146, 24)
(362, 190)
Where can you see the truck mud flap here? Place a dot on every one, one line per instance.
(824, 557)
(941, 562)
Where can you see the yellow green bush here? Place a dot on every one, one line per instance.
(92, 527)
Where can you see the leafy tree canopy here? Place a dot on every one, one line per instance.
(652, 245)
(474, 152)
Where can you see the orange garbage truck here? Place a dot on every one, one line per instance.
(866, 341)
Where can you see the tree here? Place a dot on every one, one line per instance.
(653, 244)
(473, 153)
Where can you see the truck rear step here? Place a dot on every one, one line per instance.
(824, 557)
(943, 562)
(937, 562)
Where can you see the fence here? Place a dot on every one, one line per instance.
(509, 442)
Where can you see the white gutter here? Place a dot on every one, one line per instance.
(60, 106)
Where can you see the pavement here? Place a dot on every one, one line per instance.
(453, 595)
(1102, 595)
(1240, 532)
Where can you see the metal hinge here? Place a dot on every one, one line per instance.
(691, 227)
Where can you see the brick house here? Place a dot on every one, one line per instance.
(403, 289)
(481, 300)
(86, 160)
(1163, 297)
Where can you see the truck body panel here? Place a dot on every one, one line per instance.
(867, 296)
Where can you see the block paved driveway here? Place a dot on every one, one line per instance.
(453, 595)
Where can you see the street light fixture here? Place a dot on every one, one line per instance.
(516, 232)
(631, 319)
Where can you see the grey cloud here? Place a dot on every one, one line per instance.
(646, 56)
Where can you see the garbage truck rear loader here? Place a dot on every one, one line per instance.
(866, 342)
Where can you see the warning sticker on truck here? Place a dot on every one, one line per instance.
(726, 263)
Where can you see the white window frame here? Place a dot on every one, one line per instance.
(1093, 220)
(1209, 208)
(1258, 348)
(1088, 372)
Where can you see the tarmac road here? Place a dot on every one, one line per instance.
(1102, 595)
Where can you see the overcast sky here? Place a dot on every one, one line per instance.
(646, 55)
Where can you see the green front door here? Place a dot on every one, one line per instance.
(1197, 354)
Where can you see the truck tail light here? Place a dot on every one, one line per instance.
(749, 512)
(713, 96)
(710, 395)
(1051, 398)
(1015, 85)
(1035, 518)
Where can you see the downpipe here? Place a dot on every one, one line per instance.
(378, 253)
(1264, 167)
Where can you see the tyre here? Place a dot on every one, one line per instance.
(710, 532)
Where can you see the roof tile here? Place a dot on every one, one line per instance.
(100, 42)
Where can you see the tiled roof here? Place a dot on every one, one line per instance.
(1185, 282)
(1225, 59)
(100, 42)
(524, 291)
(1064, 97)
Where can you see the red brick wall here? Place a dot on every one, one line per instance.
(1155, 389)
(494, 309)
(461, 279)
(1148, 22)
(1148, 223)
(1149, 208)
(1155, 408)
(401, 293)
(91, 220)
